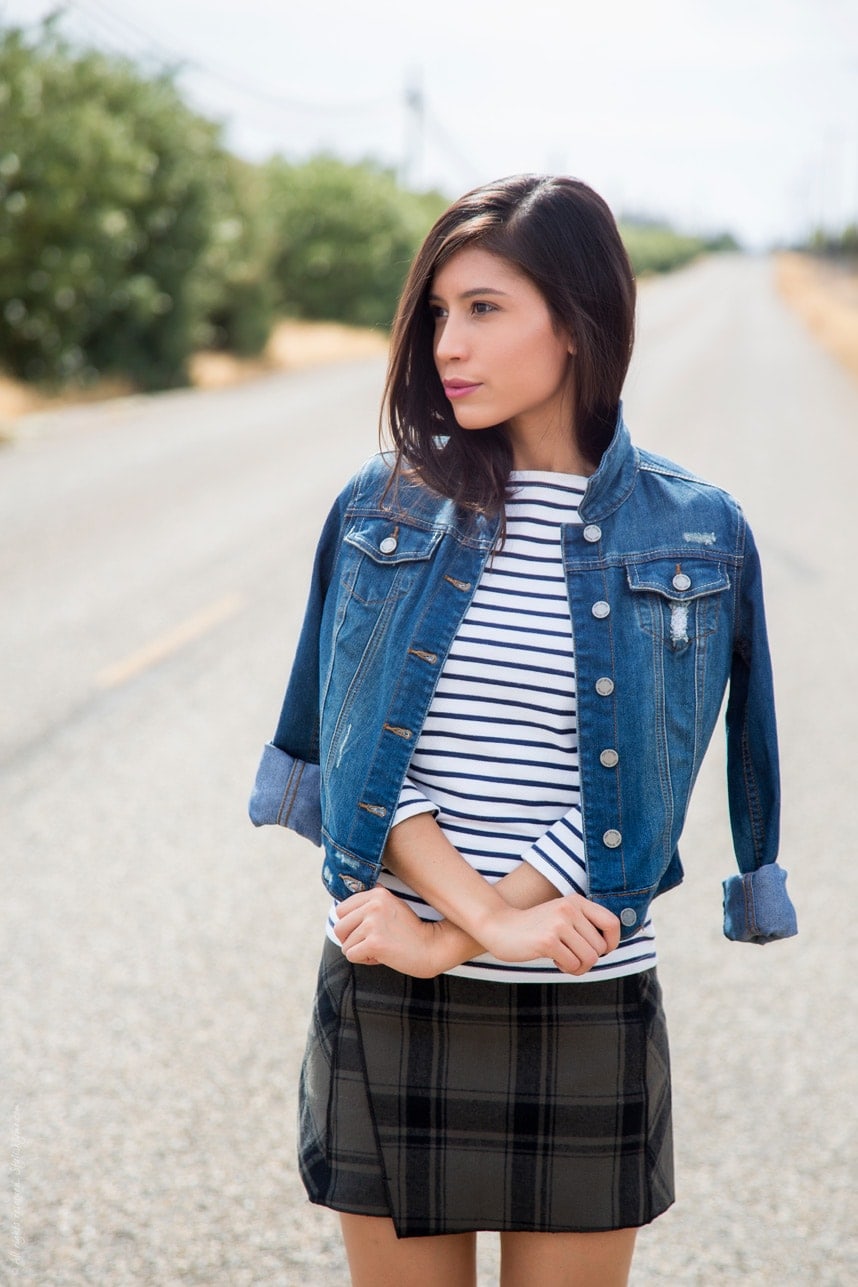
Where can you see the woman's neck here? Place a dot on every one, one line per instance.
(550, 453)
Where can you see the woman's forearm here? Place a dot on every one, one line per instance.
(423, 858)
(523, 887)
(378, 928)
(519, 918)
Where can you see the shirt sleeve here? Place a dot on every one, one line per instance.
(411, 802)
(559, 853)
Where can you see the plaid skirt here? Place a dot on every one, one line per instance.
(453, 1104)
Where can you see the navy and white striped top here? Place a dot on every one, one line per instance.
(497, 758)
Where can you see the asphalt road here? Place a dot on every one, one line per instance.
(159, 954)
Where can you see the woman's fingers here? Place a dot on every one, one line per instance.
(345, 925)
(354, 901)
(362, 909)
(596, 925)
(576, 956)
(586, 933)
(605, 922)
(357, 940)
(360, 954)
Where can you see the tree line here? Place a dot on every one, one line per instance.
(841, 245)
(130, 237)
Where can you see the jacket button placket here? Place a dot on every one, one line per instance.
(611, 837)
(413, 693)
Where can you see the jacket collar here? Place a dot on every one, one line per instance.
(607, 488)
(615, 478)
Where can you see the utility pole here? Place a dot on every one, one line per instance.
(415, 126)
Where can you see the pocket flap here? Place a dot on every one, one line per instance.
(388, 543)
(680, 580)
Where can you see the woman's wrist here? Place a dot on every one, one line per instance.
(429, 960)
(450, 946)
(491, 922)
(453, 945)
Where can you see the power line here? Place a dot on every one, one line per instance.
(123, 35)
(120, 28)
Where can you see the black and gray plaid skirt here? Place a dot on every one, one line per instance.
(454, 1104)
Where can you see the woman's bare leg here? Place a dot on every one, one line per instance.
(377, 1258)
(567, 1259)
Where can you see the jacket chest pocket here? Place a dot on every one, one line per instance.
(383, 558)
(678, 600)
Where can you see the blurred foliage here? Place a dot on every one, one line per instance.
(109, 220)
(835, 245)
(346, 237)
(130, 237)
(656, 248)
(234, 287)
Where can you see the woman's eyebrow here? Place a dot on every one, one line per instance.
(475, 290)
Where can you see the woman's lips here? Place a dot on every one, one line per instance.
(459, 388)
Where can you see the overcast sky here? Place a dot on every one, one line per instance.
(739, 114)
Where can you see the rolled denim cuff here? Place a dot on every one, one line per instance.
(757, 907)
(286, 793)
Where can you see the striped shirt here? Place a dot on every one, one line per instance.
(497, 757)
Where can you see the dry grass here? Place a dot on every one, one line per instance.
(19, 399)
(826, 296)
(293, 346)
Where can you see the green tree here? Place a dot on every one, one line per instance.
(109, 216)
(346, 236)
(836, 245)
(655, 247)
(235, 288)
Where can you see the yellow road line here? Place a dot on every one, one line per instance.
(165, 645)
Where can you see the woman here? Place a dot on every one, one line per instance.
(519, 633)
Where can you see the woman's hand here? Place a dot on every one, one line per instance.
(572, 931)
(377, 928)
(520, 918)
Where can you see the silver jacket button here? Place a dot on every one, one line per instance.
(609, 758)
(388, 545)
(601, 609)
(592, 532)
(682, 581)
(613, 839)
(628, 916)
(604, 686)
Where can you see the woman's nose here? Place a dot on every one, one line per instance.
(450, 339)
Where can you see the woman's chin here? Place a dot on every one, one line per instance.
(473, 423)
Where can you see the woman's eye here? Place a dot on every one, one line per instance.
(482, 306)
(437, 311)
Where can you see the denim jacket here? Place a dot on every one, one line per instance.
(666, 602)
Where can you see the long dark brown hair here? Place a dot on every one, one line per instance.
(560, 234)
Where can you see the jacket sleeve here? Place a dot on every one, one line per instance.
(757, 907)
(287, 790)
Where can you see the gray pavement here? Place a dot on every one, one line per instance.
(159, 953)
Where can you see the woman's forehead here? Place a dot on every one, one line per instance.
(473, 268)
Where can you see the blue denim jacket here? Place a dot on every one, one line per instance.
(666, 602)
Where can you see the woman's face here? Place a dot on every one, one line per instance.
(499, 355)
